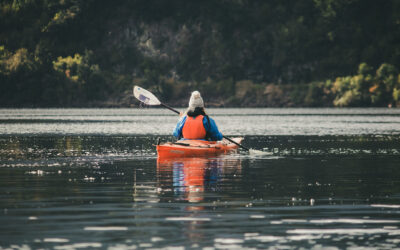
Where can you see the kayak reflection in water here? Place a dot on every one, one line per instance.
(189, 178)
(195, 184)
(195, 124)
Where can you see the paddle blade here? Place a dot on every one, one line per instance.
(145, 96)
(259, 152)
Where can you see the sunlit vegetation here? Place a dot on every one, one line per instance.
(367, 88)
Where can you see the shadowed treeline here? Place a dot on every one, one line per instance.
(239, 53)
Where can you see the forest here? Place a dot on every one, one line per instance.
(237, 53)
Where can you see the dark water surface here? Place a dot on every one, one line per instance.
(73, 179)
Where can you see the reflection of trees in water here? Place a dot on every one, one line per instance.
(189, 178)
(46, 146)
(40, 147)
(10, 147)
(69, 146)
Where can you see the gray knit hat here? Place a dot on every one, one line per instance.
(195, 101)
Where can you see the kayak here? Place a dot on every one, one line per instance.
(193, 148)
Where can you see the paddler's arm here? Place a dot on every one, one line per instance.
(212, 129)
(178, 129)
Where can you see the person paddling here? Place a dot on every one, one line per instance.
(195, 124)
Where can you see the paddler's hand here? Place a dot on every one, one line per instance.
(180, 114)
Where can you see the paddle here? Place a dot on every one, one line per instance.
(148, 98)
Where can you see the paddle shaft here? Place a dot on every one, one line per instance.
(240, 145)
(176, 111)
(168, 107)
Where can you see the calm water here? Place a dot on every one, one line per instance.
(90, 178)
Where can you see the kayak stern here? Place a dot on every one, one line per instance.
(195, 148)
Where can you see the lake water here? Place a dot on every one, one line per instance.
(90, 178)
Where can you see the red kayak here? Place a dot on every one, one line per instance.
(191, 148)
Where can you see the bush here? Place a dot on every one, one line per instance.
(366, 90)
(20, 61)
(68, 66)
(315, 94)
(79, 69)
(385, 84)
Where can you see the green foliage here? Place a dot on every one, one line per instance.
(383, 91)
(366, 90)
(387, 75)
(77, 68)
(81, 70)
(326, 7)
(21, 60)
(4, 55)
(217, 89)
(77, 52)
(21, 76)
(298, 94)
(315, 95)
(353, 90)
(69, 66)
(396, 94)
(364, 69)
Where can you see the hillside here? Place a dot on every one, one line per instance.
(73, 53)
